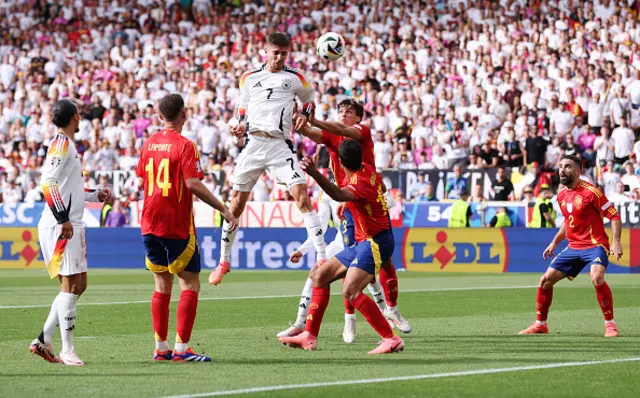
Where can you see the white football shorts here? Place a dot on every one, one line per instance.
(261, 154)
(63, 257)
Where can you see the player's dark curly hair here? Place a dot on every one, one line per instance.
(279, 39)
(171, 106)
(62, 112)
(350, 152)
(576, 160)
(355, 104)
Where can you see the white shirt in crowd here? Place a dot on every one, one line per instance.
(623, 140)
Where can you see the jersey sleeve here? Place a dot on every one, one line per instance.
(329, 140)
(305, 91)
(359, 186)
(365, 133)
(56, 159)
(190, 162)
(243, 99)
(605, 207)
(141, 162)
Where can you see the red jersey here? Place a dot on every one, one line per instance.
(167, 161)
(369, 209)
(332, 142)
(583, 208)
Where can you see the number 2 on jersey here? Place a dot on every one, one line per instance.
(571, 221)
(161, 179)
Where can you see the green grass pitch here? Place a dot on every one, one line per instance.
(463, 330)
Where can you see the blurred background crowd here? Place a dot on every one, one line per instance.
(446, 84)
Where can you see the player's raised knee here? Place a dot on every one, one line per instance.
(597, 278)
(546, 282)
(349, 293)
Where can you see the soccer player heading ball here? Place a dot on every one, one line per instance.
(359, 263)
(265, 112)
(170, 170)
(61, 232)
(583, 206)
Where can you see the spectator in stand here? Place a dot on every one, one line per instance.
(534, 179)
(609, 178)
(427, 195)
(476, 195)
(502, 188)
(117, 217)
(417, 187)
(34, 194)
(619, 195)
(623, 140)
(456, 184)
(12, 193)
(569, 146)
(527, 195)
(630, 178)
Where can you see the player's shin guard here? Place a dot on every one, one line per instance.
(372, 314)
(315, 232)
(160, 319)
(305, 300)
(186, 316)
(543, 302)
(389, 282)
(319, 301)
(605, 299)
(226, 242)
(50, 323)
(378, 296)
(67, 319)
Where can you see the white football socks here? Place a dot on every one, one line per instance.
(305, 299)
(51, 323)
(378, 295)
(67, 319)
(314, 230)
(226, 242)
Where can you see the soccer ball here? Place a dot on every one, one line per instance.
(330, 46)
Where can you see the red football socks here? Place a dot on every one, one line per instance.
(348, 308)
(389, 282)
(319, 302)
(543, 302)
(605, 299)
(160, 315)
(187, 307)
(372, 314)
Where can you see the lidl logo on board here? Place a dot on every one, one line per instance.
(19, 248)
(455, 250)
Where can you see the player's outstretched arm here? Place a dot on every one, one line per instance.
(198, 189)
(331, 189)
(313, 133)
(562, 233)
(616, 245)
(336, 128)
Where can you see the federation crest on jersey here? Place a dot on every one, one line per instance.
(286, 84)
(578, 202)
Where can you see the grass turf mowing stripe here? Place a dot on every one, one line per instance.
(404, 378)
(444, 289)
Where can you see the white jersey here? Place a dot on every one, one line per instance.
(62, 184)
(269, 99)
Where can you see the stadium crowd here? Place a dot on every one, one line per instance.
(509, 83)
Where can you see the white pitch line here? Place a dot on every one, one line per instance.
(444, 289)
(404, 378)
